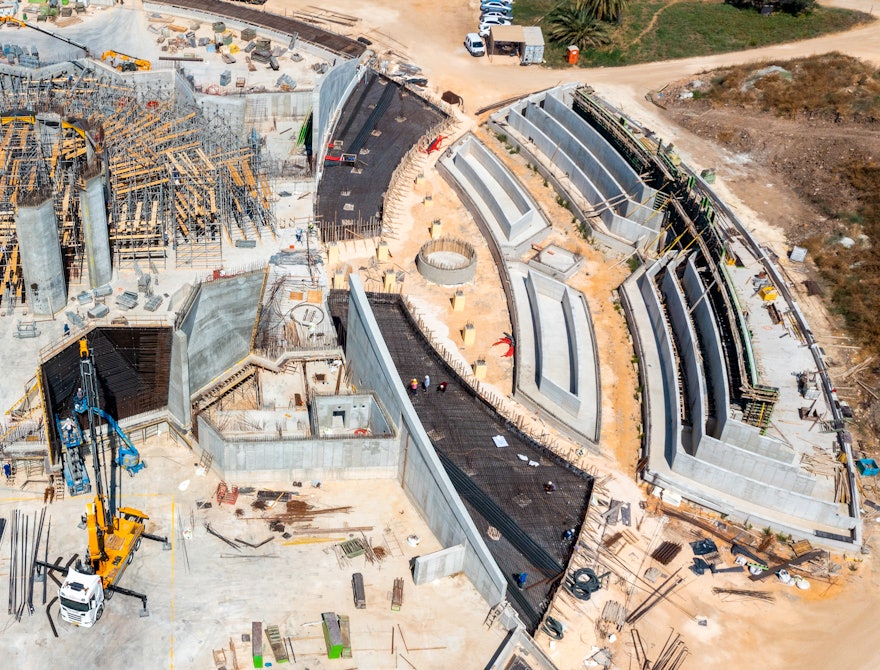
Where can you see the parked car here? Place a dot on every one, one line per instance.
(495, 15)
(474, 44)
(499, 7)
(496, 3)
(489, 21)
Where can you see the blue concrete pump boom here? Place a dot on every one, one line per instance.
(127, 457)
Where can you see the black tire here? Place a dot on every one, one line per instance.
(129, 559)
(137, 544)
(100, 613)
(108, 594)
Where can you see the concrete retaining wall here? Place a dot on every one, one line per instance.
(420, 472)
(438, 564)
(304, 459)
(223, 311)
(331, 91)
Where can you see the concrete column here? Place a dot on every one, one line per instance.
(95, 232)
(390, 282)
(332, 254)
(178, 382)
(458, 301)
(469, 334)
(382, 252)
(480, 369)
(339, 279)
(428, 201)
(41, 261)
(436, 229)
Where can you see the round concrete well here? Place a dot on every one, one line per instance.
(447, 261)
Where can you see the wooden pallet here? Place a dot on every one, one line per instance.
(226, 494)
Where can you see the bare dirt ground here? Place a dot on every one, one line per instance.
(830, 625)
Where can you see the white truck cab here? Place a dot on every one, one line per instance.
(82, 598)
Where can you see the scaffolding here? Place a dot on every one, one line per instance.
(173, 175)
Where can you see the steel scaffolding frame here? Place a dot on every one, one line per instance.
(175, 176)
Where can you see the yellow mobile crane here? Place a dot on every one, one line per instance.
(122, 62)
(125, 63)
(21, 24)
(114, 534)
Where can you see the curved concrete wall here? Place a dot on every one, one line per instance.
(95, 232)
(713, 355)
(41, 261)
(501, 194)
(611, 159)
(447, 275)
(688, 355)
(551, 151)
(555, 348)
(665, 359)
(219, 325)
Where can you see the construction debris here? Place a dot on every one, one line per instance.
(666, 552)
(745, 593)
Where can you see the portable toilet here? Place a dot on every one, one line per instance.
(572, 55)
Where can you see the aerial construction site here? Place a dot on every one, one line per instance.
(304, 363)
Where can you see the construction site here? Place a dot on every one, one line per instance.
(357, 367)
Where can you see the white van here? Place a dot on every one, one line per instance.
(474, 44)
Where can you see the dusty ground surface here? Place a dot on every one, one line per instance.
(204, 594)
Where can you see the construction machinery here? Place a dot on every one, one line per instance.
(127, 456)
(75, 474)
(125, 63)
(21, 24)
(114, 535)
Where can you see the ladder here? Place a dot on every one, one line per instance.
(278, 651)
(494, 613)
(59, 486)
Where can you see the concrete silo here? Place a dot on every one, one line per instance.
(95, 232)
(40, 249)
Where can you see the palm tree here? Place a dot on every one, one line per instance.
(577, 25)
(604, 10)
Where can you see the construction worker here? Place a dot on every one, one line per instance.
(413, 386)
(426, 383)
(521, 578)
(549, 487)
(441, 387)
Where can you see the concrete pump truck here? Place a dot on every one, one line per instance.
(114, 534)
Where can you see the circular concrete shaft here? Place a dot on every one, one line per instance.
(447, 261)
